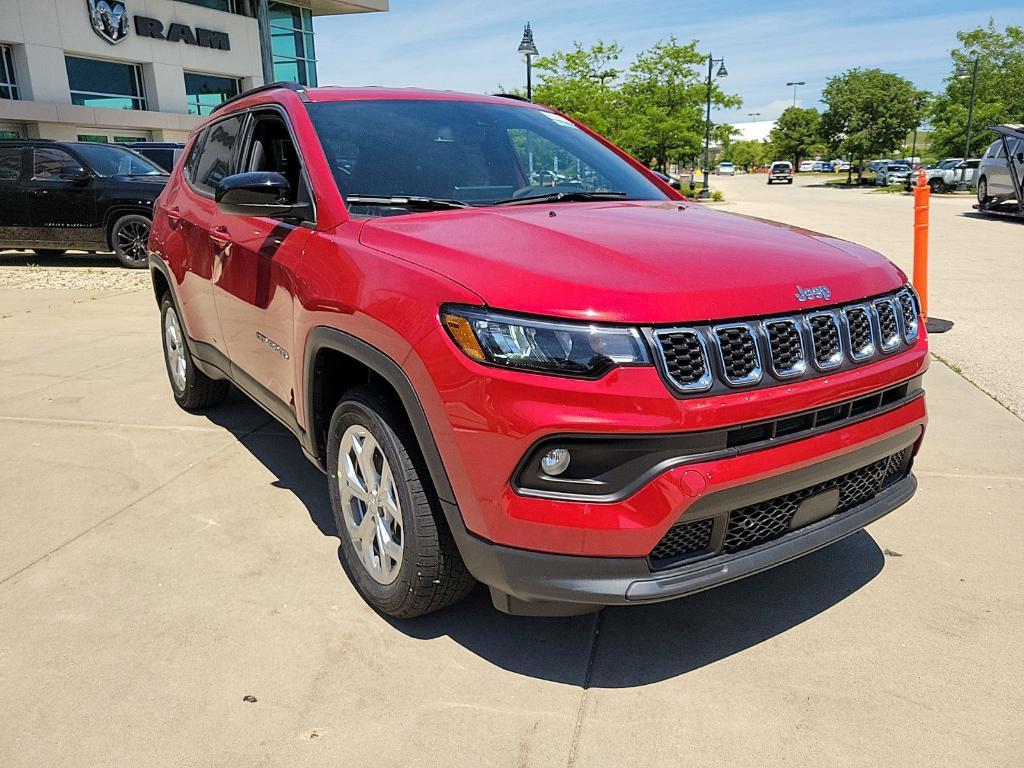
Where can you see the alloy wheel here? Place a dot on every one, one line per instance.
(131, 240)
(370, 505)
(174, 347)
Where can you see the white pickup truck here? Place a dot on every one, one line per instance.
(948, 174)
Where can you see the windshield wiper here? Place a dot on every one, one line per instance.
(406, 201)
(560, 197)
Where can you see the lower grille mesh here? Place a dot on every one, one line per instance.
(757, 523)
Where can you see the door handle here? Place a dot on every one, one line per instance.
(220, 236)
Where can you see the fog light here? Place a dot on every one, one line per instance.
(555, 461)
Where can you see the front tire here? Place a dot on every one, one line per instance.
(193, 390)
(395, 545)
(129, 237)
(937, 186)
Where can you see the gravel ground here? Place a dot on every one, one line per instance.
(88, 272)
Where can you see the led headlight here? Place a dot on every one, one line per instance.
(546, 346)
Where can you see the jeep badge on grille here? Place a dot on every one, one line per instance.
(817, 292)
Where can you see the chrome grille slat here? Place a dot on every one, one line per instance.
(888, 324)
(785, 347)
(685, 357)
(862, 336)
(718, 357)
(738, 353)
(826, 339)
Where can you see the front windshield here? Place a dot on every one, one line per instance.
(472, 152)
(109, 160)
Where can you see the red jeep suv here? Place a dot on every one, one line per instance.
(521, 358)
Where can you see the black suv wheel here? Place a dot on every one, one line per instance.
(128, 237)
(395, 545)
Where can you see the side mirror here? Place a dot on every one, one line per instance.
(260, 193)
(78, 176)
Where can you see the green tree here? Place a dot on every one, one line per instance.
(582, 83)
(1000, 91)
(665, 92)
(869, 112)
(795, 134)
(747, 153)
(653, 109)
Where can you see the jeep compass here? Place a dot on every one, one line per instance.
(521, 358)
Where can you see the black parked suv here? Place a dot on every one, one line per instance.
(59, 196)
(163, 153)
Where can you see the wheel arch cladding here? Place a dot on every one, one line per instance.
(322, 347)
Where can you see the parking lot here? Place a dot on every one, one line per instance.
(158, 568)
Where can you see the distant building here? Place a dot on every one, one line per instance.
(130, 70)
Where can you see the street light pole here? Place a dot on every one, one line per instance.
(752, 115)
(529, 50)
(795, 84)
(722, 72)
(962, 74)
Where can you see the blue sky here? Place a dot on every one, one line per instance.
(468, 45)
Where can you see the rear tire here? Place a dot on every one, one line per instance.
(193, 390)
(937, 186)
(769, 181)
(129, 238)
(984, 201)
(395, 544)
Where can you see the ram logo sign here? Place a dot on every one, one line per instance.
(109, 19)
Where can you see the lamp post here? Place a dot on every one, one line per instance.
(962, 74)
(795, 84)
(722, 72)
(529, 50)
(752, 115)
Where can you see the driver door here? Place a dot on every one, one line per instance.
(254, 259)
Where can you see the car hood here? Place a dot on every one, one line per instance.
(638, 262)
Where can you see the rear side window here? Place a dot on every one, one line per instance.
(10, 163)
(217, 153)
(51, 164)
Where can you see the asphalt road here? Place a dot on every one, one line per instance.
(156, 568)
(976, 263)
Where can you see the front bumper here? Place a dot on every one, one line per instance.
(534, 583)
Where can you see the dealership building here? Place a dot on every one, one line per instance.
(131, 70)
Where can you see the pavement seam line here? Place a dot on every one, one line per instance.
(123, 425)
(126, 507)
(581, 709)
(960, 372)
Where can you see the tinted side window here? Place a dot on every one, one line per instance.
(217, 153)
(51, 164)
(10, 163)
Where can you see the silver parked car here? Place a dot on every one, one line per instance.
(892, 173)
(994, 182)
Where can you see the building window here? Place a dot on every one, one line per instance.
(105, 84)
(242, 7)
(291, 39)
(206, 92)
(8, 85)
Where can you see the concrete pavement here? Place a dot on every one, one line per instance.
(158, 567)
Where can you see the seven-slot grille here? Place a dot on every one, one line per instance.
(758, 523)
(699, 358)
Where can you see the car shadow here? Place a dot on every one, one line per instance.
(1010, 219)
(635, 646)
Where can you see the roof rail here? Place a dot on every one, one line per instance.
(289, 85)
(515, 96)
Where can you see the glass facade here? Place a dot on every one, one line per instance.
(8, 85)
(217, 5)
(206, 92)
(105, 84)
(291, 40)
